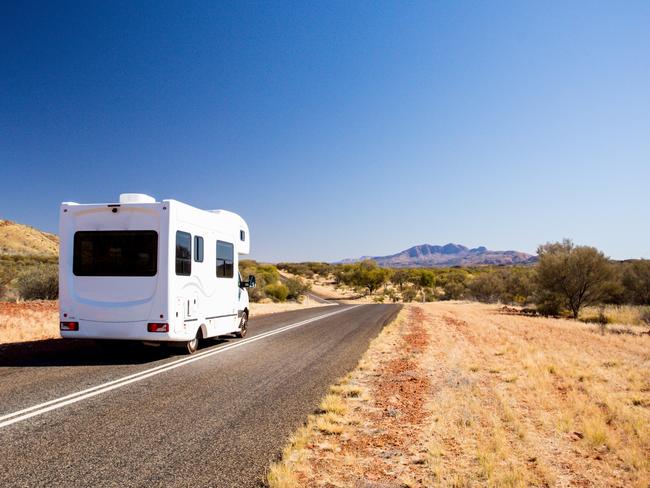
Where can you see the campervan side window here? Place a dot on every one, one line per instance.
(183, 253)
(225, 259)
(115, 253)
(242, 235)
(198, 249)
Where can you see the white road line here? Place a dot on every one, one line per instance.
(57, 403)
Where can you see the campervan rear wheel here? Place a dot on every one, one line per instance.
(243, 325)
(193, 345)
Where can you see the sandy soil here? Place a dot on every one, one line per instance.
(29, 321)
(459, 394)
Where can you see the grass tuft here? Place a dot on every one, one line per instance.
(333, 404)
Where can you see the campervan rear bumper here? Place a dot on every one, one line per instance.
(129, 331)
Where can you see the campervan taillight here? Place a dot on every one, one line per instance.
(155, 327)
(69, 326)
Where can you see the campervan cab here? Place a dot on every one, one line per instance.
(162, 272)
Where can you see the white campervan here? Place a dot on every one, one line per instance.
(151, 271)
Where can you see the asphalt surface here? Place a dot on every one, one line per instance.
(217, 421)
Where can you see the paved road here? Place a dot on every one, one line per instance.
(151, 419)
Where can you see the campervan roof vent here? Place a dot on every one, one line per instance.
(136, 198)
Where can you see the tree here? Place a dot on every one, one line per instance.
(400, 277)
(453, 283)
(297, 287)
(487, 287)
(370, 276)
(424, 279)
(576, 275)
(518, 286)
(409, 294)
(636, 282)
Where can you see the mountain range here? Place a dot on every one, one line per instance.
(18, 239)
(449, 255)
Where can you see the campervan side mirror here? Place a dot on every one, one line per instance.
(252, 282)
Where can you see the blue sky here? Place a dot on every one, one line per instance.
(338, 128)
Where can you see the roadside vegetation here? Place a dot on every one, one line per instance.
(28, 277)
(464, 394)
(568, 281)
(270, 285)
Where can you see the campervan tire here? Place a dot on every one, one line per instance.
(193, 345)
(243, 326)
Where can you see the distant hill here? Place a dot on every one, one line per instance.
(448, 255)
(18, 239)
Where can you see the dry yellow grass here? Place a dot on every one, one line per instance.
(24, 240)
(617, 314)
(508, 401)
(28, 321)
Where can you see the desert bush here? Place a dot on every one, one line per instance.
(453, 284)
(319, 268)
(276, 292)
(454, 290)
(5, 279)
(39, 283)
(409, 294)
(636, 282)
(265, 274)
(575, 275)
(297, 287)
(400, 277)
(548, 304)
(487, 287)
(307, 269)
(369, 276)
(518, 285)
(342, 274)
(423, 279)
(14, 266)
(429, 295)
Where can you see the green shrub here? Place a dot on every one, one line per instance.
(265, 274)
(276, 292)
(409, 294)
(39, 283)
(636, 282)
(5, 279)
(392, 295)
(578, 275)
(487, 287)
(297, 287)
(548, 304)
(429, 295)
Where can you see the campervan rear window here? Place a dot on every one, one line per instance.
(225, 259)
(115, 253)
